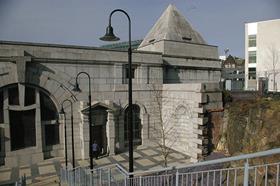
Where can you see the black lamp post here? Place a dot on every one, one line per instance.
(109, 36)
(77, 89)
(72, 131)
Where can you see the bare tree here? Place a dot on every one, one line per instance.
(164, 130)
(273, 65)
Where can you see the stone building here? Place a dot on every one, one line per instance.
(233, 73)
(173, 60)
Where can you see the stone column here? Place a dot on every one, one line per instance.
(84, 127)
(40, 137)
(7, 134)
(145, 128)
(111, 132)
(144, 74)
(121, 131)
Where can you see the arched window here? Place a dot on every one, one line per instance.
(49, 117)
(136, 123)
(22, 107)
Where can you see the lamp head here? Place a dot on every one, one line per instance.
(109, 36)
(61, 111)
(77, 88)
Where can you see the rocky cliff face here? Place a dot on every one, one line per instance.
(247, 126)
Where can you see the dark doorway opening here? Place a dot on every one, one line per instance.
(99, 121)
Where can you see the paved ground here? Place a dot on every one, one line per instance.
(145, 158)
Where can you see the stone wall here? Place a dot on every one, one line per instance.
(54, 68)
(183, 109)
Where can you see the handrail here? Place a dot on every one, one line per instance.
(234, 158)
(216, 161)
(141, 173)
(122, 170)
(103, 167)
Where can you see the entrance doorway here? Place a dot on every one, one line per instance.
(99, 121)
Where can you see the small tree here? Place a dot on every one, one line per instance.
(164, 130)
(273, 65)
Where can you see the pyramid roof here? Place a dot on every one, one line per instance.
(172, 26)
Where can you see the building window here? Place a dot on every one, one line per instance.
(51, 134)
(133, 68)
(29, 96)
(252, 56)
(252, 73)
(48, 109)
(136, 124)
(13, 95)
(22, 129)
(252, 41)
(49, 113)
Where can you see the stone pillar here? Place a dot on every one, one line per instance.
(84, 127)
(40, 138)
(144, 74)
(145, 128)
(110, 129)
(121, 131)
(38, 126)
(7, 134)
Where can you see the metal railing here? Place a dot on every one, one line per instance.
(245, 170)
(21, 181)
(81, 176)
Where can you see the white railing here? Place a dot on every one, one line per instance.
(81, 176)
(237, 170)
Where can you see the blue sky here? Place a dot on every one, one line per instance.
(82, 22)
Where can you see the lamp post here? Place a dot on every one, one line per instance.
(77, 89)
(109, 36)
(72, 130)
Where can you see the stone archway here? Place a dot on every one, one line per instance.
(27, 76)
(103, 126)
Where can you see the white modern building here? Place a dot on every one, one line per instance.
(262, 54)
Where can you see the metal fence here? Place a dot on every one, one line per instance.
(21, 181)
(105, 176)
(237, 170)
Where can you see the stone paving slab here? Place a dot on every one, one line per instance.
(145, 158)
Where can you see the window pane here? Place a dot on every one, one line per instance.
(52, 134)
(29, 96)
(1, 107)
(252, 73)
(48, 109)
(136, 123)
(22, 128)
(13, 95)
(133, 68)
(252, 56)
(252, 41)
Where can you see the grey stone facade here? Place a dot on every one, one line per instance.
(185, 73)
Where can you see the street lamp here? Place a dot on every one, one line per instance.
(72, 130)
(77, 89)
(109, 36)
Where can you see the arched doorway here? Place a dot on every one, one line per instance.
(136, 126)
